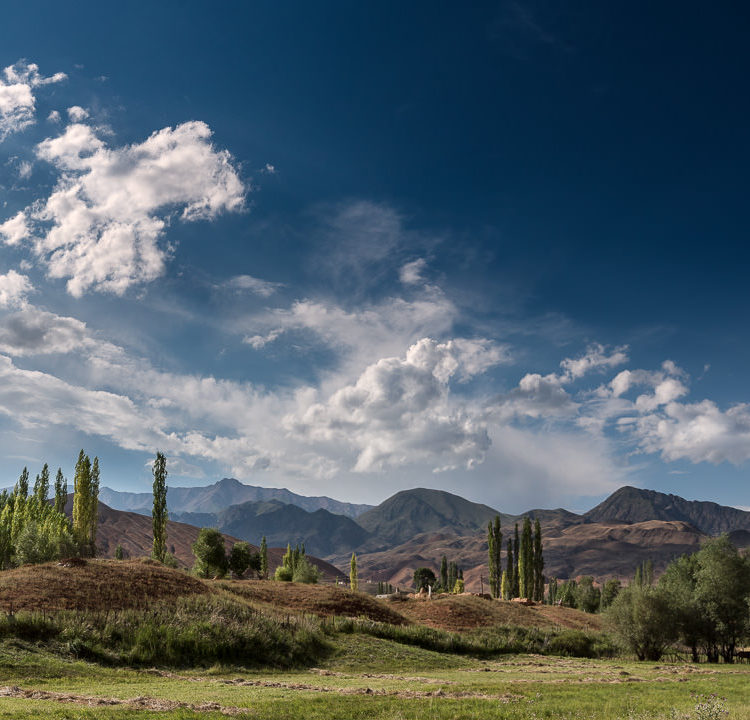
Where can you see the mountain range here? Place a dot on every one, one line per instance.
(222, 494)
(417, 527)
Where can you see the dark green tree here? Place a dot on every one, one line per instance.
(159, 512)
(510, 571)
(644, 620)
(526, 562)
(444, 574)
(61, 491)
(263, 558)
(538, 563)
(241, 558)
(610, 589)
(210, 555)
(516, 577)
(119, 552)
(424, 577)
(722, 590)
(494, 551)
(587, 595)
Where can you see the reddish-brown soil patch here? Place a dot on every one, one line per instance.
(96, 585)
(324, 600)
(465, 612)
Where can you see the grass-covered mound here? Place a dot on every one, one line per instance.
(98, 585)
(459, 613)
(321, 600)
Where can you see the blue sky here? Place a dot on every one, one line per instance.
(350, 249)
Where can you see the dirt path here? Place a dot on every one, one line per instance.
(379, 692)
(139, 703)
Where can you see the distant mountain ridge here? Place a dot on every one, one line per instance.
(323, 533)
(411, 512)
(219, 496)
(634, 505)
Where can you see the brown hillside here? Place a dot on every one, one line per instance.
(94, 585)
(466, 612)
(135, 533)
(603, 550)
(324, 600)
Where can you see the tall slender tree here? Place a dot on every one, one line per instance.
(525, 561)
(159, 513)
(41, 486)
(444, 574)
(61, 491)
(353, 577)
(93, 505)
(538, 563)
(494, 550)
(81, 498)
(516, 579)
(509, 571)
(22, 486)
(263, 558)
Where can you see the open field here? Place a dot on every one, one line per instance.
(368, 678)
(184, 648)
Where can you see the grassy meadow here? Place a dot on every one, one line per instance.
(278, 650)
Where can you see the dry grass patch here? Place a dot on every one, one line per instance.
(458, 613)
(322, 600)
(99, 585)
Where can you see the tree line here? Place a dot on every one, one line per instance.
(523, 576)
(701, 602)
(34, 527)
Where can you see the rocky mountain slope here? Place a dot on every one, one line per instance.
(632, 505)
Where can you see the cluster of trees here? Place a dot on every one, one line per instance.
(451, 578)
(385, 588)
(213, 561)
(35, 529)
(524, 571)
(296, 567)
(701, 601)
(583, 594)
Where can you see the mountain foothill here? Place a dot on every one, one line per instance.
(418, 527)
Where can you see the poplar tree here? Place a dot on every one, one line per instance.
(494, 550)
(22, 486)
(509, 571)
(41, 486)
(353, 578)
(82, 501)
(264, 558)
(93, 505)
(525, 562)
(61, 491)
(444, 574)
(538, 563)
(516, 579)
(505, 585)
(159, 513)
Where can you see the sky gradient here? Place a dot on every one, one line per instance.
(348, 250)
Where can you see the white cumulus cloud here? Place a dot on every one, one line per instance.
(101, 227)
(14, 288)
(17, 102)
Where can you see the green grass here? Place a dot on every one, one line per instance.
(516, 687)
